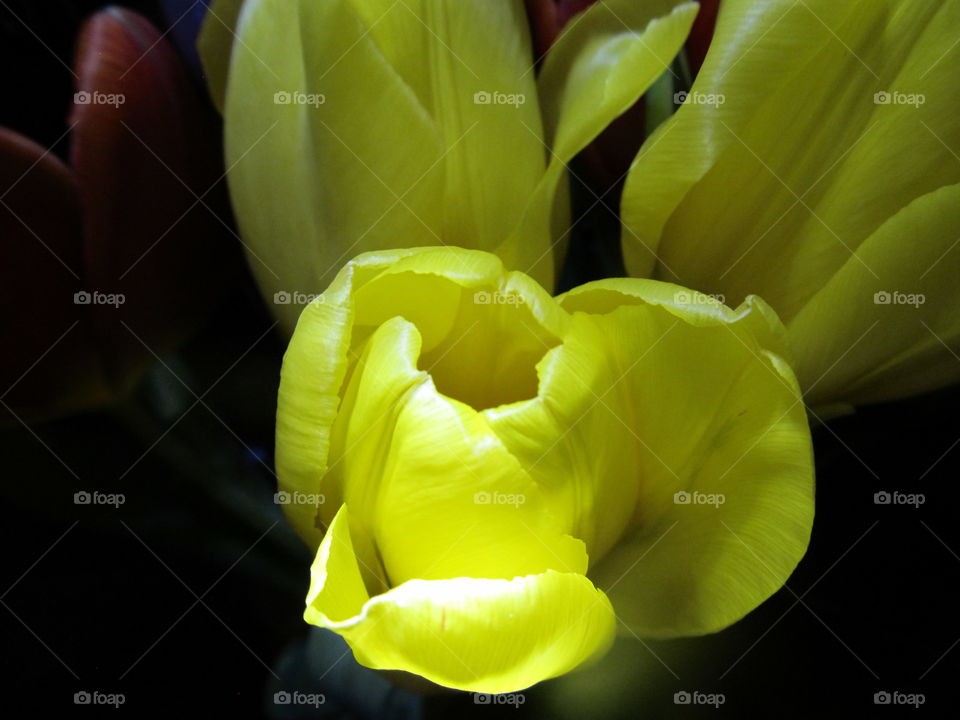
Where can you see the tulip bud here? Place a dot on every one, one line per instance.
(120, 255)
(824, 180)
(487, 473)
(356, 126)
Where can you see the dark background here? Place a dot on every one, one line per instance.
(188, 595)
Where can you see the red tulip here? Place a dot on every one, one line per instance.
(136, 223)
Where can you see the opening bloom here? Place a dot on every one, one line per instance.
(491, 476)
(815, 164)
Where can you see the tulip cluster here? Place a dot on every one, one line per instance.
(414, 143)
(494, 478)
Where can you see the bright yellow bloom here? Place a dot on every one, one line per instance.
(488, 474)
(360, 125)
(815, 163)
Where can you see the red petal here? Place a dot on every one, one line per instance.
(548, 18)
(608, 158)
(702, 33)
(41, 245)
(144, 149)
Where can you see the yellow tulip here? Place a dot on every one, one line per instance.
(361, 125)
(816, 163)
(490, 476)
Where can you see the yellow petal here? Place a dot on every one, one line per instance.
(291, 157)
(452, 502)
(358, 125)
(484, 635)
(482, 97)
(215, 45)
(314, 367)
(343, 597)
(811, 125)
(428, 480)
(893, 317)
(714, 413)
(603, 62)
(454, 332)
(380, 381)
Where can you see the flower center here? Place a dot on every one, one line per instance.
(489, 356)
